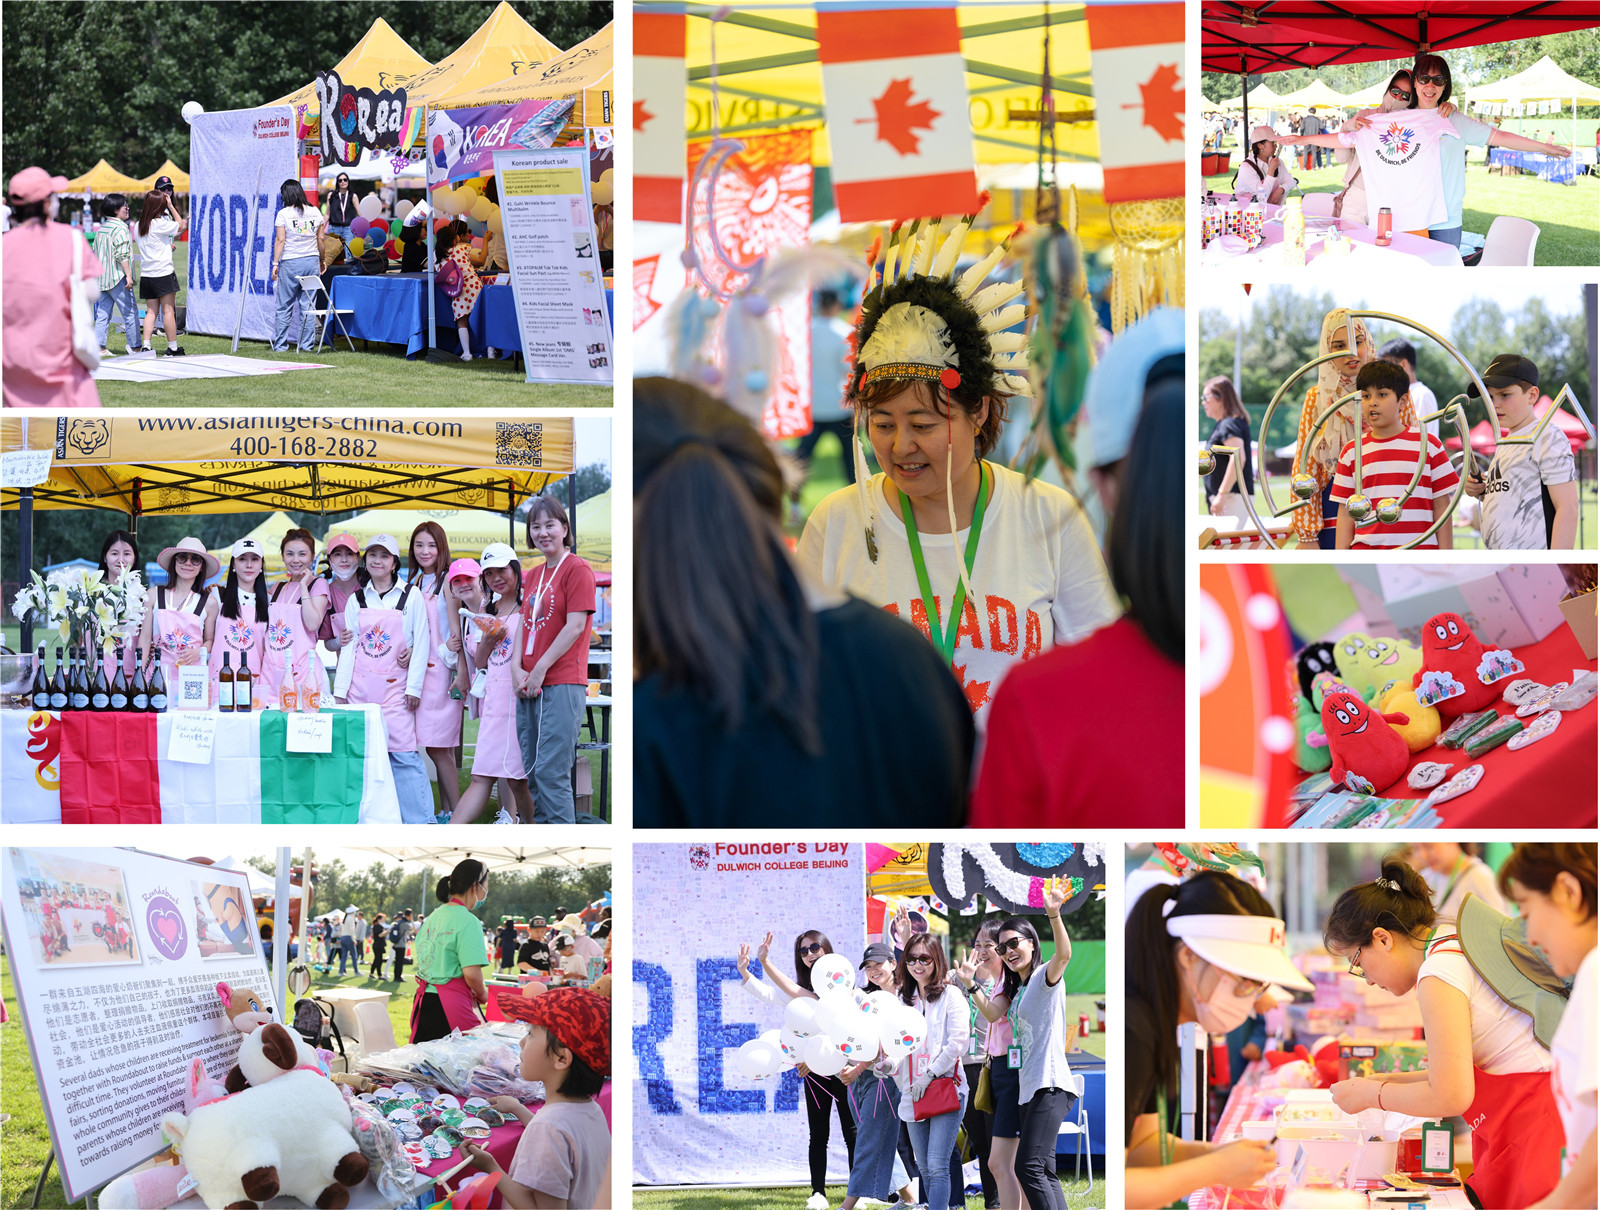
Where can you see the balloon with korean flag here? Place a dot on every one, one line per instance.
(800, 1017)
(756, 1060)
(903, 1030)
(790, 1043)
(832, 974)
(822, 1055)
(836, 1016)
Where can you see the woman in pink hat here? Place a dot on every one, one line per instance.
(40, 369)
(344, 574)
(439, 715)
(180, 616)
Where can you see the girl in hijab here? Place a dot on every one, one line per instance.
(1314, 521)
(1351, 201)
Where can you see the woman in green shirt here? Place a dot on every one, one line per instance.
(451, 956)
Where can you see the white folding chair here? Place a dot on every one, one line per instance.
(377, 1031)
(1080, 1128)
(1510, 241)
(312, 285)
(1317, 205)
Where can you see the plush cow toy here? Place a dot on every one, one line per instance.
(1368, 754)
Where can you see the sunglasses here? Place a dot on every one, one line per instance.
(1440, 80)
(1400, 93)
(187, 559)
(813, 948)
(1016, 943)
(920, 960)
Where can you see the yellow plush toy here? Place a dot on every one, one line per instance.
(1367, 662)
(1422, 731)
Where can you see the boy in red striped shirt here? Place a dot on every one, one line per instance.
(1388, 460)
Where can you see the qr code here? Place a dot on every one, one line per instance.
(520, 444)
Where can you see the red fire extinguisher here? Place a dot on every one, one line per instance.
(310, 167)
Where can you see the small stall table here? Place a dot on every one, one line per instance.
(1364, 253)
(1560, 170)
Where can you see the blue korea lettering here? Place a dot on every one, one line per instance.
(648, 1036)
(216, 232)
(197, 219)
(238, 236)
(260, 258)
(715, 1037)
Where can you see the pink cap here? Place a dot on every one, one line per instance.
(35, 184)
(344, 540)
(464, 567)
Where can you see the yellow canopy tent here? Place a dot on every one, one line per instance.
(1261, 97)
(583, 73)
(304, 461)
(502, 46)
(180, 178)
(1315, 95)
(382, 59)
(270, 534)
(103, 178)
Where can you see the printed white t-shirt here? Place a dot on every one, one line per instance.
(1502, 1037)
(155, 246)
(301, 229)
(1038, 574)
(1577, 1054)
(1399, 154)
(1514, 497)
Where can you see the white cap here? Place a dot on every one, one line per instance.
(1253, 947)
(387, 541)
(1114, 396)
(247, 546)
(497, 554)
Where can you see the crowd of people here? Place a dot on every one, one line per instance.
(451, 637)
(1525, 498)
(98, 918)
(999, 1013)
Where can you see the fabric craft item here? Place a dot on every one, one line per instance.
(1386, 469)
(1399, 155)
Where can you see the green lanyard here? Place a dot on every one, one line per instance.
(1463, 863)
(944, 635)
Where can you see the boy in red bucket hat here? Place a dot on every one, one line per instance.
(566, 1147)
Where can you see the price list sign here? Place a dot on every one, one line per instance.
(553, 250)
(116, 956)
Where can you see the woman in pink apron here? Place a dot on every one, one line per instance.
(439, 715)
(343, 576)
(295, 614)
(451, 957)
(241, 627)
(383, 619)
(495, 647)
(1484, 1061)
(119, 554)
(179, 615)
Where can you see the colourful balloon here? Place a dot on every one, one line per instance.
(359, 226)
(370, 206)
(395, 227)
(482, 209)
(464, 199)
(357, 246)
(403, 208)
(394, 249)
(497, 222)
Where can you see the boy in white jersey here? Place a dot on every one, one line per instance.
(1530, 493)
(1389, 452)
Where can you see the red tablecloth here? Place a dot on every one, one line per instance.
(502, 1144)
(1549, 784)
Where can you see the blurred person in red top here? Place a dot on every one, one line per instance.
(1099, 724)
(40, 369)
(553, 683)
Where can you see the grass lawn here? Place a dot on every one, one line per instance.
(1568, 215)
(376, 375)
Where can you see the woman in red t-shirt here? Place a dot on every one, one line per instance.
(553, 680)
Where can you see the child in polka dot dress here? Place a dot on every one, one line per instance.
(455, 244)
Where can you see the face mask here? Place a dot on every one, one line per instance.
(1223, 1013)
(343, 574)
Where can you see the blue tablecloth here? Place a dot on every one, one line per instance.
(1549, 167)
(393, 308)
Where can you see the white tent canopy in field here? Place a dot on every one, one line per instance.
(1315, 95)
(1544, 81)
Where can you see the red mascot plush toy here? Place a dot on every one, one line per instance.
(1368, 754)
(1450, 648)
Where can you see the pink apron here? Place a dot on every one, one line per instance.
(499, 752)
(288, 643)
(439, 716)
(108, 656)
(377, 676)
(178, 631)
(339, 594)
(238, 637)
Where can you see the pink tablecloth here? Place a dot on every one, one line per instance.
(1363, 253)
(503, 1140)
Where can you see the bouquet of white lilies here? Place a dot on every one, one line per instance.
(81, 605)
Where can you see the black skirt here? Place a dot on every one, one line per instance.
(158, 287)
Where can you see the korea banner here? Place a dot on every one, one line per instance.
(231, 220)
(1136, 53)
(898, 124)
(697, 1118)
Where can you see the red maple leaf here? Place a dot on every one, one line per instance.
(641, 115)
(644, 280)
(898, 117)
(977, 691)
(1162, 95)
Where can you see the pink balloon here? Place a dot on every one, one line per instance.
(359, 226)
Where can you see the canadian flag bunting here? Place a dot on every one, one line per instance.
(895, 85)
(1136, 53)
(660, 96)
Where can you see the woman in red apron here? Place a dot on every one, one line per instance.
(179, 616)
(439, 715)
(295, 614)
(451, 957)
(241, 626)
(119, 554)
(1484, 1062)
(343, 575)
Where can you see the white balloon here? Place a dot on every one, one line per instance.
(771, 1037)
(800, 1017)
(914, 1023)
(402, 209)
(836, 1016)
(832, 973)
(896, 1039)
(191, 110)
(370, 207)
(822, 1055)
(756, 1060)
(861, 1043)
(790, 1044)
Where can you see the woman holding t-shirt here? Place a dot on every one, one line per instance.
(294, 256)
(552, 683)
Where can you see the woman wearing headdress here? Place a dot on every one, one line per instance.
(1314, 521)
(993, 567)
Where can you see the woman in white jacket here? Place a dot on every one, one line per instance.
(923, 985)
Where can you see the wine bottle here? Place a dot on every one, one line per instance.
(225, 687)
(139, 698)
(99, 687)
(58, 684)
(119, 686)
(243, 695)
(40, 695)
(158, 688)
(80, 683)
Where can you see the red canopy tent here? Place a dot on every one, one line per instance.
(1484, 436)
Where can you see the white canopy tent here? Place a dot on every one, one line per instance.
(1544, 81)
(377, 166)
(1315, 95)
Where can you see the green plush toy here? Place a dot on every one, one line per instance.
(1308, 722)
(1366, 663)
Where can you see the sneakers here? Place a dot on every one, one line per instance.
(466, 354)
(507, 818)
(494, 353)
(817, 1201)
(174, 350)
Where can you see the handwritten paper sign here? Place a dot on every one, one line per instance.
(193, 736)
(309, 733)
(24, 468)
